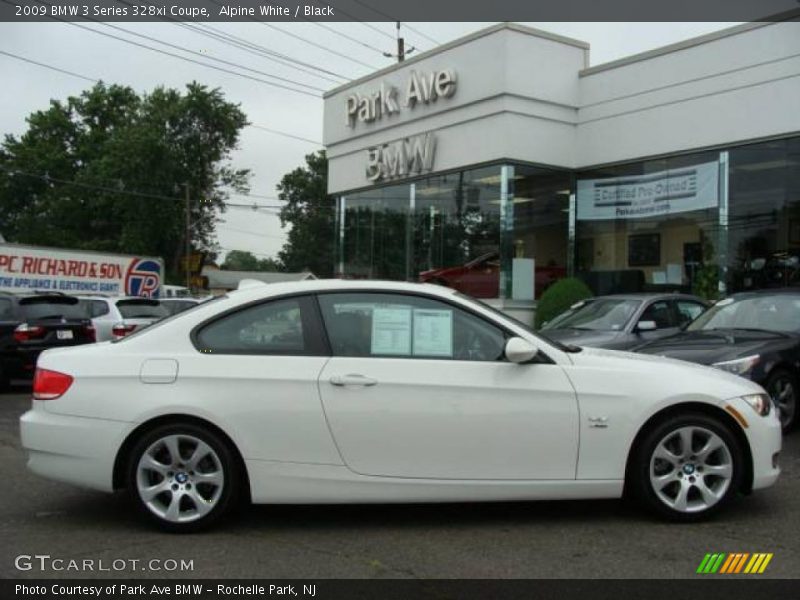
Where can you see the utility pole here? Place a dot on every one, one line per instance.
(401, 48)
(401, 45)
(188, 236)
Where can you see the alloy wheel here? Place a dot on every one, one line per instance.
(180, 478)
(691, 469)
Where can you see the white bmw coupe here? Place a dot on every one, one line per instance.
(343, 391)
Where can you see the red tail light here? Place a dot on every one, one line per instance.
(90, 332)
(25, 332)
(120, 330)
(49, 385)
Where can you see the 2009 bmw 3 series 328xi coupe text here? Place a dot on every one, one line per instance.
(344, 391)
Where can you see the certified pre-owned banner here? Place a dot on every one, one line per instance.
(651, 195)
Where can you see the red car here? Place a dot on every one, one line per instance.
(480, 277)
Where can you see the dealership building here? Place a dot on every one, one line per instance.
(501, 161)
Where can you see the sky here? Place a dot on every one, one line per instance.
(348, 50)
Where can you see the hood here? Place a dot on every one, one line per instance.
(717, 345)
(697, 377)
(580, 337)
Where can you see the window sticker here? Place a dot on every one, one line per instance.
(391, 331)
(433, 332)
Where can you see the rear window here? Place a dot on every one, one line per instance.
(141, 309)
(6, 309)
(52, 308)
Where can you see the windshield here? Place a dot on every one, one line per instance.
(52, 308)
(780, 312)
(608, 314)
(141, 309)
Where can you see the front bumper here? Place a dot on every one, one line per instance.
(75, 450)
(765, 438)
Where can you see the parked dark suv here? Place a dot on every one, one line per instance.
(31, 323)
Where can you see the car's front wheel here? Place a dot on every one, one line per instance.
(183, 476)
(687, 467)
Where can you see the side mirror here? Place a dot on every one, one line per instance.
(520, 351)
(646, 326)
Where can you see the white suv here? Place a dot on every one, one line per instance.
(116, 317)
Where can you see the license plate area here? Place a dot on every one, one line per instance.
(64, 334)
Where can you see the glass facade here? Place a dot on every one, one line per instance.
(472, 230)
(710, 223)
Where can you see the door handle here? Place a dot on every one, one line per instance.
(353, 379)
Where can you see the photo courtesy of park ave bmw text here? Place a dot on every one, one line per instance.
(368, 299)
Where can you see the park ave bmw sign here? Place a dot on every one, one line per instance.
(408, 156)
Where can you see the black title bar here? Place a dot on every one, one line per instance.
(396, 10)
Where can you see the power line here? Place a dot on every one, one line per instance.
(249, 232)
(320, 46)
(242, 44)
(46, 66)
(126, 192)
(391, 18)
(191, 60)
(262, 51)
(289, 135)
(347, 37)
(219, 60)
(354, 18)
(305, 41)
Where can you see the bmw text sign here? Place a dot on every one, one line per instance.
(26, 268)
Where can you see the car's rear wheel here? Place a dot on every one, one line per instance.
(183, 476)
(687, 467)
(781, 385)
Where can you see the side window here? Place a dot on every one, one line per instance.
(396, 325)
(276, 327)
(99, 308)
(687, 311)
(659, 313)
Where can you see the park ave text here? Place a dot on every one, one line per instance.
(152, 590)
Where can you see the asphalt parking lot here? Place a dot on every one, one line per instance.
(509, 540)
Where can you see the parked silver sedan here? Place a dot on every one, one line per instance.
(622, 321)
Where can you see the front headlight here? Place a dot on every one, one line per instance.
(739, 366)
(761, 403)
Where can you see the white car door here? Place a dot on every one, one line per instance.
(418, 387)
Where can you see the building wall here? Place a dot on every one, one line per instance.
(505, 104)
(526, 95)
(727, 90)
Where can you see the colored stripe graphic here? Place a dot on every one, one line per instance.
(711, 563)
(727, 564)
(741, 562)
(734, 563)
(764, 564)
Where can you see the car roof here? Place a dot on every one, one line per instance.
(649, 296)
(767, 292)
(338, 285)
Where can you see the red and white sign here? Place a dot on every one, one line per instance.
(25, 268)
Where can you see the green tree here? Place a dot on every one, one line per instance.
(107, 171)
(239, 260)
(559, 297)
(310, 212)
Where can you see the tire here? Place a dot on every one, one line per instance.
(188, 492)
(782, 387)
(687, 485)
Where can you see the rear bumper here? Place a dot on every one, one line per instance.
(72, 449)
